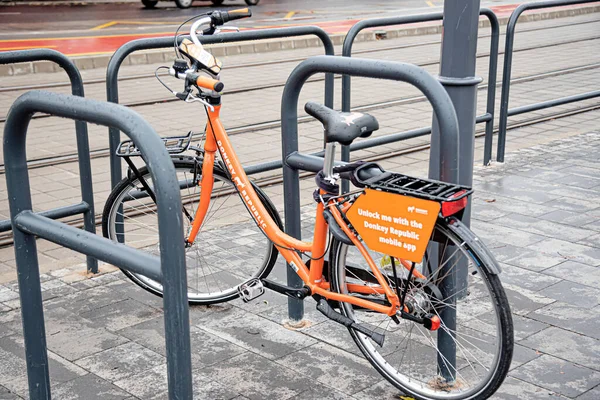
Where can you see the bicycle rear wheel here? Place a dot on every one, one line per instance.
(229, 250)
(412, 358)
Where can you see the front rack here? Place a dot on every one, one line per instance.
(174, 145)
(428, 189)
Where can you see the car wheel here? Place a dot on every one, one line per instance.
(252, 2)
(149, 3)
(217, 2)
(183, 3)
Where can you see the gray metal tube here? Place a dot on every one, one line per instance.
(418, 77)
(508, 55)
(174, 280)
(307, 162)
(407, 19)
(491, 89)
(553, 103)
(88, 243)
(457, 74)
(56, 213)
(431, 88)
(263, 167)
(81, 132)
(112, 91)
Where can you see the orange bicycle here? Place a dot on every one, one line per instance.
(390, 260)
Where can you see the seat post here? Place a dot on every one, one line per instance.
(329, 160)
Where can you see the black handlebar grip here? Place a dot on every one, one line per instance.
(222, 17)
(219, 87)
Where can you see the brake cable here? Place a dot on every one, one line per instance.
(175, 47)
(402, 297)
(160, 80)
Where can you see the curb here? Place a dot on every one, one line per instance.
(263, 46)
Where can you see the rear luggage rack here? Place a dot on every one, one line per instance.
(174, 145)
(428, 189)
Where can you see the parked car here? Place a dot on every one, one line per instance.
(188, 3)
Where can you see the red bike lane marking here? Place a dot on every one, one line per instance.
(83, 45)
(107, 44)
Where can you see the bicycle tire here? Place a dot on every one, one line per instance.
(474, 327)
(243, 260)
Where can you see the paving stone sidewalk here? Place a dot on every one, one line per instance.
(539, 213)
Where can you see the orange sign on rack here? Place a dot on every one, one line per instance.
(397, 225)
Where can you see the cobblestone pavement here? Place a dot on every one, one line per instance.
(539, 213)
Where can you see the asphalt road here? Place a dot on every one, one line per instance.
(130, 17)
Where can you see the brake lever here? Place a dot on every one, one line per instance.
(191, 98)
(182, 95)
(227, 28)
(208, 31)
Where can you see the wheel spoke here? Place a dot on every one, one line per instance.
(214, 261)
(410, 358)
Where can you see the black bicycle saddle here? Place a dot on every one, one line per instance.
(342, 127)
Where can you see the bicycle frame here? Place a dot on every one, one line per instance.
(218, 141)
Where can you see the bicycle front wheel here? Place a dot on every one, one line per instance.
(230, 248)
(468, 357)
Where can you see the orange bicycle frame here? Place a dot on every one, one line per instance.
(218, 141)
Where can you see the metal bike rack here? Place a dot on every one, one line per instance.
(86, 207)
(112, 90)
(505, 112)
(488, 117)
(294, 161)
(170, 269)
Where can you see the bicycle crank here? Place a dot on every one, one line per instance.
(429, 321)
(325, 309)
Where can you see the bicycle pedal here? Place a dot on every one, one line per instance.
(251, 289)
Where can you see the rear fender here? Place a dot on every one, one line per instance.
(473, 242)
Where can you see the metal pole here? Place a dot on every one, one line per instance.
(457, 74)
(508, 54)
(408, 19)
(28, 270)
(291, 197)
(491, 91)
(81, 132)
(26, 224)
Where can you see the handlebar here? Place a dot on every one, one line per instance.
(180, 68)
(217, 18)
(222, 17)
(195, 26)
(205, 82)
(199, 80)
